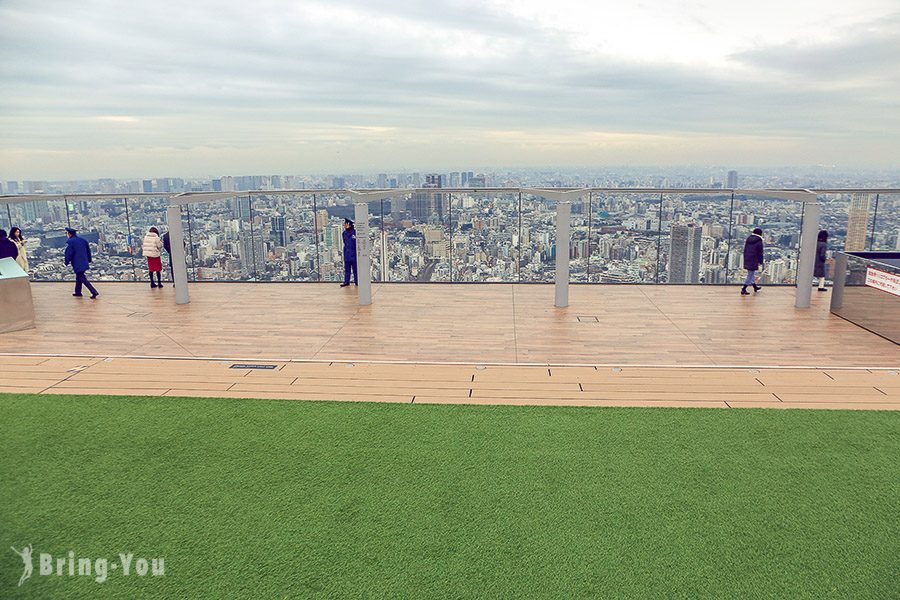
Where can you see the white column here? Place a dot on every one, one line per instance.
(807, 260)
(363, 252)
(176, 243)
(563, 219)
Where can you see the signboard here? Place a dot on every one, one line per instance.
(882, 280)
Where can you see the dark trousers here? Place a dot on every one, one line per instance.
(81, 278)
(348, 266)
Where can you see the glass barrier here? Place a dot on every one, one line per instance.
(104, 224)
(886, 223)
(287, 226)
(695, 238)
(485, 237)
(538, 239)
(143, 213)
(331, 210)
(780, 221)
(624, 238)
(43, 224)
(224, 243)
(6, 217)
(417, 237)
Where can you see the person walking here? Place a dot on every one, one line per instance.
(78, 254)
(349, 236)
(753, 260)
(152, 247)
(8, 249)
(15, 234)
(821, 257)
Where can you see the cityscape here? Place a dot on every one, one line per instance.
(452, 236)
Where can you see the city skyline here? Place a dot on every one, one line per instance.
(98, 90)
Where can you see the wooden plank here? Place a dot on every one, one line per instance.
(285, 396)
(818, 405)
(120, 391)
(566, 402)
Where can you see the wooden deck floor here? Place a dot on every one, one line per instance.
(459, 384)
(604, 325)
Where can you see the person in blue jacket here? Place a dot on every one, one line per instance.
(349, 253)
(78, 254)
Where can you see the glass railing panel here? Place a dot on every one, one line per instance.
(485, 237)
(417, 237)
(886, 223)
(624, 238)
(286, 224)
(331, 210)
(43, 224)
(538, 239)
(780, 221)
(694, 243)
(5, 217)
(144, 212)
(223, 241)
(104, 223)
(579, 244)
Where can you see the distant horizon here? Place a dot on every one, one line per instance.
(644, 170)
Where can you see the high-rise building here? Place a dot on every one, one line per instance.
(454, 179)
(148, 186)
(253, 257)
(684, 253)
(382, 181)
(857, 223)
(279, 234)
(240, 208)
(338, 183)
(732, 179)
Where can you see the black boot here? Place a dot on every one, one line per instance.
(756, 288)
(152, 283)
(159, 282)
(744, 291)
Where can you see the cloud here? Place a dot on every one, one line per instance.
(152, 77)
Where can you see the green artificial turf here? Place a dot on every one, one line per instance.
(278, 499)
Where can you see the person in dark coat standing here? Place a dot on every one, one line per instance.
(753, 260)
(349, 253)
(7, 248)
(78, 254)
(821, 257)
(167, 245)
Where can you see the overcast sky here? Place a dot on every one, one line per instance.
(157, 88)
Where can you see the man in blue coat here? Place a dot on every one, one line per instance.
(78, 254)
(349, 253)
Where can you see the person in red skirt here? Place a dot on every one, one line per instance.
(151, 247)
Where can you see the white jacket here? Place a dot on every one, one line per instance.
(152, 245)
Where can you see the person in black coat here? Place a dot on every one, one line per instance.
(821, 257)
(753, 260)
(7, 248)
(349, 253)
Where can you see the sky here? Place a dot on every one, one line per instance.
(149, 88)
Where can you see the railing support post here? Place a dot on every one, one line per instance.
(807, 259)
(177, 256)
(563, 221)
(363, 252)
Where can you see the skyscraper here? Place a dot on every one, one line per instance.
(732, 179)
(684, 253)
(857, 223)
(425, 204)
(253, 257)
